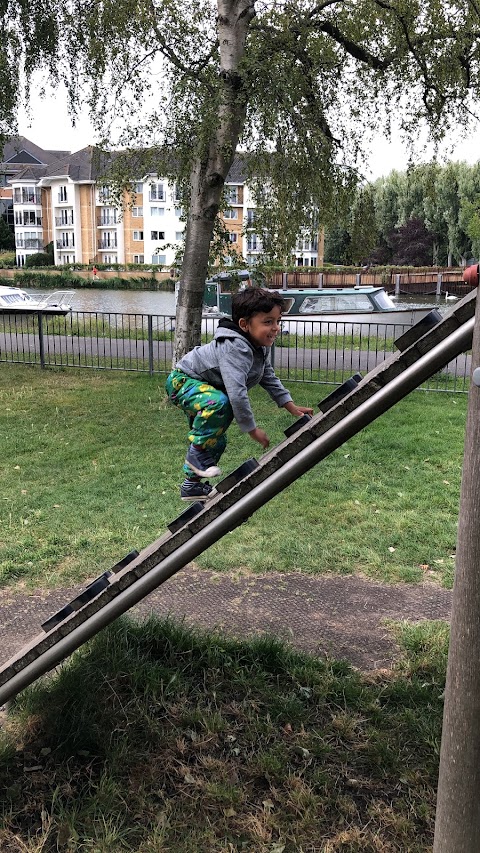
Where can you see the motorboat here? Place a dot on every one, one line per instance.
(349, 305)
(16, 301)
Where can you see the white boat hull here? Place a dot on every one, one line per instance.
(312, 323)
(316, 324)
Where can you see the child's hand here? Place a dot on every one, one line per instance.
(298, 411)
(259, 435)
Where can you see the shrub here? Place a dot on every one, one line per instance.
(41, 259)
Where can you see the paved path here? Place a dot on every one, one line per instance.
(340, 359)
(343, 617)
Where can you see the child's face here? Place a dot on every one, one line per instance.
(263, 327)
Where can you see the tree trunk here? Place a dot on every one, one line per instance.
(210, 170)
(457, 828)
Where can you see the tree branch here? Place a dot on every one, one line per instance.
(172, 57)
(354, 49)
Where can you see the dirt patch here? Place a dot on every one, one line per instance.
(342, 617)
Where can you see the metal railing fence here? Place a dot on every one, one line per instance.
(305, 350)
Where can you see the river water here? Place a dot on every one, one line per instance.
(119, 301)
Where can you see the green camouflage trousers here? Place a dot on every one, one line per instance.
(208, 410)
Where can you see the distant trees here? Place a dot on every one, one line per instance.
(7, 238)
(429, 214)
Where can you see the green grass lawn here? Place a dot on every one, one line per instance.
(159, 739)
(91, 466)
(156, 739)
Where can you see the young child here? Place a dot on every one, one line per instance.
(211, 385)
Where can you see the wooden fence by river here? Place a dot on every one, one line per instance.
(423, 282)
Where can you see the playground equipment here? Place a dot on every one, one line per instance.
(243, 492)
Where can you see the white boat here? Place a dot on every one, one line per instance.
(311, 308)
(16, 301)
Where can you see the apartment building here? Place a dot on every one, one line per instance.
(60, 197)
(22, 208)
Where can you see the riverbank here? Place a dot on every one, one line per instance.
(105, 279)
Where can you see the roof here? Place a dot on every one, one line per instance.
(28, 173)
(19, 151)
(85, 165)
(238, 170)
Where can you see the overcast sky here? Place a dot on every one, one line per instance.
(50, 127)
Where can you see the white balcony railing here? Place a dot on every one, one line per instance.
(107, 246)
(28, 243)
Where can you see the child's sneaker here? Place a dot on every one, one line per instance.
(194, 490)
(202, 463)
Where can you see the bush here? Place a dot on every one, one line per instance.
(7, 260)
(41, 259)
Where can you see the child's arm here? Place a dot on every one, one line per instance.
(261, 436)
(297, 411)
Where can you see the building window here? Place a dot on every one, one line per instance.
(230, 213)
(233, 237)
(27, 195)
(28, 217)
(138, 259)
(250, 216)
(66, 240)
(108, 240)
(307, 244)
(62, 194)
(179, 212)
(156, 192)
(104, 193)
(138, 235)
(139, 188)
(159, 259)
(179, 235)
(253, 243)
(65, 218)
(157, 211)
(108, 216)
(231, 195)
(137, 211)
(157, 235)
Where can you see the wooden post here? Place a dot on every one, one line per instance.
(457, 828)
(397, 284)
(439, 284)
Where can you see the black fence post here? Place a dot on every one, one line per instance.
(41, 342)
(150, 343)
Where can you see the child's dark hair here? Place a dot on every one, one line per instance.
(254, 300)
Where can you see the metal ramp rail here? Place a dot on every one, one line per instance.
(241, 494)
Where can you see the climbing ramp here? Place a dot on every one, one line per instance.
(422, 351)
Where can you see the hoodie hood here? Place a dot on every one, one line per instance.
(228, 329)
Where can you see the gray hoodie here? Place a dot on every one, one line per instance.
(232, 363)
